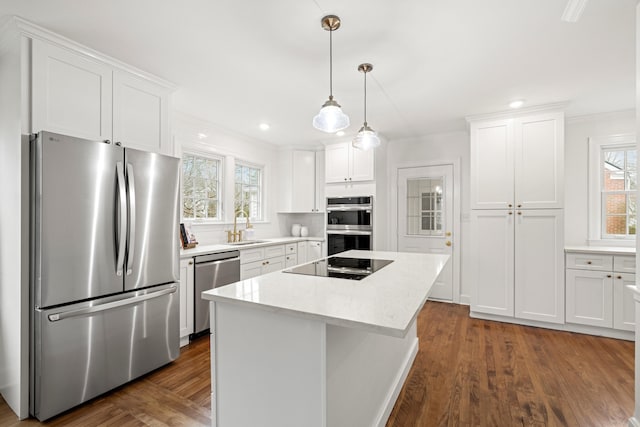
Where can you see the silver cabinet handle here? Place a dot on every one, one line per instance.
(122, 220)
(54, 317)
(132, 218)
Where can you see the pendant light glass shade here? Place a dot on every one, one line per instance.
(331, 119)
(366, 138)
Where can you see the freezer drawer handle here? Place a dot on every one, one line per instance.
(54, 317)
(122, 238)
(132, 218)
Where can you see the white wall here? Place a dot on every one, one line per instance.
(233, 147)
(430, 148)
(578, 130)
(14, 238)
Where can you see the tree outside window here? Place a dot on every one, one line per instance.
(200, 187)
(248, 192)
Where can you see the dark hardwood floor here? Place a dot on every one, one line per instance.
(468, 372)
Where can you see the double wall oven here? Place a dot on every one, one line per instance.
(349, 223)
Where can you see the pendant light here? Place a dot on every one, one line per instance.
(331, 118)
(366, 138)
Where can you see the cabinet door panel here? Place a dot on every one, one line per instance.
(362, 164)
(492, 165)
(140, 113)
(336, 163)
(539, 265)
(539, 161)
(273, 264)
(186, 297)
(624, 316)
(303, 181)
(251, 269)
(72, 94)
(589, 298)
(491, 264)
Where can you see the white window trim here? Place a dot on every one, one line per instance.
(221, 185)
(595, 181)
(240, 162)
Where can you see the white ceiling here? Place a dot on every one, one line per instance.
(238, 63)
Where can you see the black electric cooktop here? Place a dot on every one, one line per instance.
(340, 267)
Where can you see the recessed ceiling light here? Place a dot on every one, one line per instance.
(264, 126)
(517, 103)
(202, 135)
(340, 133)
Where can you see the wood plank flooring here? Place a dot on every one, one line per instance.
(468, 372)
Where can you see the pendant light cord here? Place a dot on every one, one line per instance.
(330, 64)
(365, 98)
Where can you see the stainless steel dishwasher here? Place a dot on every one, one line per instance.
(212, 271)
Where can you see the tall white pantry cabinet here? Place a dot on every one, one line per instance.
(517, 220)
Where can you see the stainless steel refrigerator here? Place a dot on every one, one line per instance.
(104, 268)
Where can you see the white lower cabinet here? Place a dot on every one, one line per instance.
(314, 251)
(517, 263)
(257, 261)
(597, 292)
(302, 252)
(186, 299)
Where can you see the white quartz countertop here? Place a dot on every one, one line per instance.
(612, 250)
(210, 249)
(385, 302)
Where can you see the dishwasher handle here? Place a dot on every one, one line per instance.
(220, 261)
(219, 256)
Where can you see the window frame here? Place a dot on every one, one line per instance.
(221, 185)
(261, 189)
(596, 210)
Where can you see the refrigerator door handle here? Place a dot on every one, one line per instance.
(54, 317)
(122, 237)
(132, 218)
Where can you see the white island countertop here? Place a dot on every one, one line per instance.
(386, 302)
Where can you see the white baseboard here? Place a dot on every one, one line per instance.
(568, 327)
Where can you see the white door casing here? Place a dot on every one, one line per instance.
(425, 218)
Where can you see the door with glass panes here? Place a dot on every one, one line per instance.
(425, 218)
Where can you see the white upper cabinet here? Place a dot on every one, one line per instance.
(492, 165)
(344, 164)
(299, 184)
(71, 93)
(80, 95)
(140, 113)
(518, 162)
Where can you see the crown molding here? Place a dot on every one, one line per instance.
(34, 31)
(507, 114)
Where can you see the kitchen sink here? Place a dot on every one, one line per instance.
(246, 242)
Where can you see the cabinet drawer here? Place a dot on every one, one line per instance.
(584, 261)
(291, 248)
(251, 255)
(274, 251)
(624, 264)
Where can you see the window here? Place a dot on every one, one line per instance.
(613, 184)
(248, 192)
(200, 187)
(618, 191)
(424, 206)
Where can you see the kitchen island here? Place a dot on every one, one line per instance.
(300, 350)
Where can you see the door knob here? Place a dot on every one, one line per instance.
(448, 243)
(448, 233)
